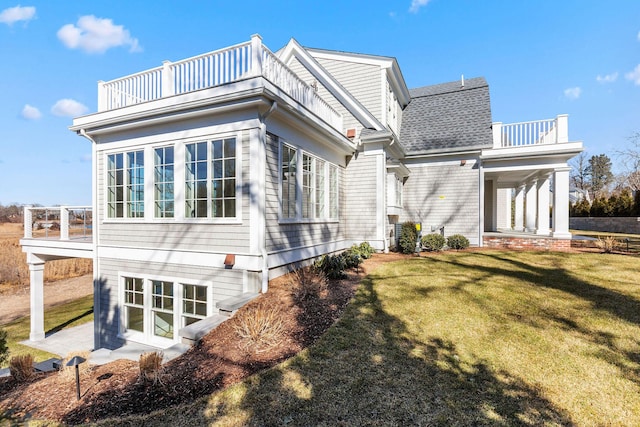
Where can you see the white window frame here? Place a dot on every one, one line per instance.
(127, 183)
(315, 213)
(147, 335)
(160, 210)
(237, 218)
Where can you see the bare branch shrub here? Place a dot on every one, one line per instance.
(308, 284)
(21, 367)
(259, 326)
(151, 366)
(607, 244)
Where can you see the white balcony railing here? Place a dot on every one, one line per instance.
(59, 222)
(232, 64)
(552, 131)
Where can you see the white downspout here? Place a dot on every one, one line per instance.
(94, 233)
(263, 240)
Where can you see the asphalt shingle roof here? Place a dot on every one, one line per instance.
(447, 117)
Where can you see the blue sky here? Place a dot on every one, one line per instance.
(541, 58)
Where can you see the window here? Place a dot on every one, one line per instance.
(333, 191)
(288, 182)
(163, 182)
(162, 308)
(125, 171)
(319, 195)
(134, 303)
(211, 179)
(194, 303)
(398, 192)
(312, 187)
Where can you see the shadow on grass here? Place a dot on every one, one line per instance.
(368, 371)
(63, 325)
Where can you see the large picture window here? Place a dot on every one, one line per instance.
(211, 179)
(125, 185)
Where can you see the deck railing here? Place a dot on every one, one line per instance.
(231, 64)
(551, 131)
(62, 222)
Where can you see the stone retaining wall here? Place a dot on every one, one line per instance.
(629, 225)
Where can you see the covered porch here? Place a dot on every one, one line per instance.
(526, 182)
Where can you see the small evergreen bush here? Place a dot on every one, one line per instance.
(366, 250)
(457, 241)
(408, 237)
(352, 257)
(332, 266)
(4, 350)
(433, 242)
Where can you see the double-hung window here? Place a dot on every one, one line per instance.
(211, 179)
(125, 185)
(313, 200)
(288, 181)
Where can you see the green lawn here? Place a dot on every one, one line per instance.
(62, 316)
(468, 338)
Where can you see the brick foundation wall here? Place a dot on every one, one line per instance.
(529, 243)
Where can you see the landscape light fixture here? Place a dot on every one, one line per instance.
(75, 361)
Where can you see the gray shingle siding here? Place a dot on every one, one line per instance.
(447, 117)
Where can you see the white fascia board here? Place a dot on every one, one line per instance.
(337, 90)
(567, 149)
(399, 169)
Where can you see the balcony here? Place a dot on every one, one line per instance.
(527, 134)
(229, 65)
(58, 232)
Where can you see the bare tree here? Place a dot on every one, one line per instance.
(629, 158)
(580, 171)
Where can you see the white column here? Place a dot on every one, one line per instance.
(64, 223)
(543, 206)
(561, 203)
(504, 208)
(36, 288)
(531, 205)
(256, 55)
(519, 214)
(168, 87)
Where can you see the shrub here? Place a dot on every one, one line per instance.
(308, 284)
(151, 366)
(332, 266)
(408, 237)
(607, 244)
(433, 241)
(4, 350)
(352, 257)
(366, 250)
(457, 241)
(259, 326)
(21, 367)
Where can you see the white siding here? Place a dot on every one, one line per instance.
(361, 195)
(444, 193)
(361, 80)
(176, 233)
(284, 236)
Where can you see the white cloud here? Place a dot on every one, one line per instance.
(68, 108)
(573, 92)
(17, 13)
(634, 75)
(85, 158)
(31, 113)
(96, 35)
(607, 78)
(417, 4)
(639, 36)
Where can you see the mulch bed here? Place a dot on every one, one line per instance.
(115, 389)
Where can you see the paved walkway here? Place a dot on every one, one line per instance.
(80, 338)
